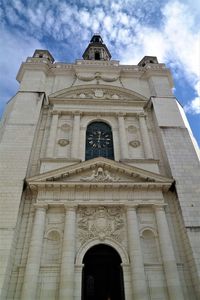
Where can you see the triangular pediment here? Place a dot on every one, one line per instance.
(97, 92)
(99, 170)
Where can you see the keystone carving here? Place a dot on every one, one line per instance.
(101, 223)
(100, 175)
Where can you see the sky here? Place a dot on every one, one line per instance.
(131, 29)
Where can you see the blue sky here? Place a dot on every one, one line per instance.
(131, 29)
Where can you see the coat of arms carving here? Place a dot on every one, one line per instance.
(101, 222)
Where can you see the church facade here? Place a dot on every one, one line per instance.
(99, 183)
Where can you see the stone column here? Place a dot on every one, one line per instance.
(68, 255)
(136, 258)
(52, 135)
(78, 281)
(32, 270)
(75, 136)
(127, 282)
(145, 136)
(168, 257)
(122, 137)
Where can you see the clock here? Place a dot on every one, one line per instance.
(99, 141)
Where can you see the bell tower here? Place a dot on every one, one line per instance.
(96, 50)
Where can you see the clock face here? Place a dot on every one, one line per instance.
(99, 139)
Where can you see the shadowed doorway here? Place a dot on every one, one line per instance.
(102, 274)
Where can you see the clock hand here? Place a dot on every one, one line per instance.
(99, 136)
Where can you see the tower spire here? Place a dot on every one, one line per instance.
(96, 50)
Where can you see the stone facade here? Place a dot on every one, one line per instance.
(55, 205)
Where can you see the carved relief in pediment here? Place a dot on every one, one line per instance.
(96, 94)
(100, 175)
(97, 91)
(100, 222)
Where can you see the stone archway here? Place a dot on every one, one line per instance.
(102, 276)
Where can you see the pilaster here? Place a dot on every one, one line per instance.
(68, 254)
(136, 259)
(145, 136)
(76, 135)
(34, 255)
(168, 257)
(123, 136)
(52, 134)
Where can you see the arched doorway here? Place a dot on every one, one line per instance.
(102, 274)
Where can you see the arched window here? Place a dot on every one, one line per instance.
(97, 55)
(99, 141)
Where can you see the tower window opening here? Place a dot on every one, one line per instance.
(97, 56)
(96, 39)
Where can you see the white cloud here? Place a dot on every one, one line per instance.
(193, 107)
(108, 23)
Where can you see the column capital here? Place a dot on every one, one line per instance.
(141, 115)
(77, 113)
(121, 114)
(160, 207)
(41, 206)
(70, 207)
(131, 207)
(55, 112)
(33, 188)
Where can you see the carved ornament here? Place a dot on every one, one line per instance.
(63, 142)
(134, 143)
(65, 127)
(100, 175)
(97, 76)
(100, 222)
(98, 94)
(132, 129)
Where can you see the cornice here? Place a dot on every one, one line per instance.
(112, 66)
(96, 103)
(139, 160)
(127, 205)
(161, 72)
(165, 186)
(101, 63)
(60, 160)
